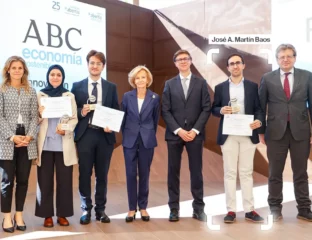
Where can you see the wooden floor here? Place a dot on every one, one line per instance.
(159, 227)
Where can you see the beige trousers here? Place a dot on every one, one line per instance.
(238, 154)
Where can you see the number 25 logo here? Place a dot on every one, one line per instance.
(56, 5)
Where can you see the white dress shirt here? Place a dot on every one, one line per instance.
(238, 91)
(290, 78)
(187, 82)
(140, 103)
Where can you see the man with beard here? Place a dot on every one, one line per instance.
(238, 151)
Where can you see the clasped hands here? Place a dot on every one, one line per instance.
(187, 136)
(228, 110)
(21, 141)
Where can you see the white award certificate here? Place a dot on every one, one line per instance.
(107, 117)
(56, 107)
(237, 124)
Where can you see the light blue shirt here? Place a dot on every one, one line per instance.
(237, 91)
(53, 141)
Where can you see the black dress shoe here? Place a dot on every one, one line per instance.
(305, 214)
(102, 217)
(85, 218)
(8, 230)
(200, 215)
(145, 218)
(174, 215)
(20, 228)
(131, 218)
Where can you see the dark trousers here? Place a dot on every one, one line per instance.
(45, 186)
(19, 168)
(93, 150)
(299, 154)
(195, 152)
(138, 158)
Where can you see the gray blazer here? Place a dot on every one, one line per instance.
(8, 120)
(274, 103)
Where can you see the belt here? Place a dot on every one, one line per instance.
(20, 125)
(94, 127)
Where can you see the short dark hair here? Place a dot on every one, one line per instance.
(233, 55)
(181, 51)
(99, 55)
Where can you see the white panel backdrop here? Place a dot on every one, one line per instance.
(46, 32)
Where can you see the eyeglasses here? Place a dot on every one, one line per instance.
(179, 60)
(285, 57)
(98, 64)
(232, 64)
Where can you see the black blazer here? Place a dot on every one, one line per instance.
(109, 99)
(252, 106)
(192, 112)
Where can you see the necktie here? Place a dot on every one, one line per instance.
(95, 94)
(286, 85)
(184, 86)
(94, 91)
(287, 89)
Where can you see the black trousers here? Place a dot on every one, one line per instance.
(299, 154)
(45, 186)
(93, 150)
(18, 168)
(138, 158)
(195, 152)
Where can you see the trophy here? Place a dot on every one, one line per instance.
(64, 122)
(92, 100)
(234, 104)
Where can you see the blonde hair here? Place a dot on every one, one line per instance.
(6, 80)
(135, 71)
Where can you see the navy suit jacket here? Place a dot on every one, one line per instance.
(143, 123)
(192, 112)
(251, 102)
(109, 99)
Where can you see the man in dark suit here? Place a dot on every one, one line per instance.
(238, 151)
(284, 94)
(186, 108)
(95, 145)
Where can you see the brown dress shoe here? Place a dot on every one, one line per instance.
(62, 221)
(48, 222)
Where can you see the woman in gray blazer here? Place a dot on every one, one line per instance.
(57, 151)
(18, 123)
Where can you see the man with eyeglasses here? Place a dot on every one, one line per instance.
(238, 151)
(95, 145)
(186, 108)
(284, 94)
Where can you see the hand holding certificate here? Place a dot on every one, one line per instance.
(107, 118)
(56, 107)
(237, 124)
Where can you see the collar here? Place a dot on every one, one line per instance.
(187, 77)
(241, 82)
(90, 81)
(283, 73)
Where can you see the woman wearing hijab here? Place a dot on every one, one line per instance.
(56, 149)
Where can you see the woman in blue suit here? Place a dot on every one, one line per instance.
(141, 107)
